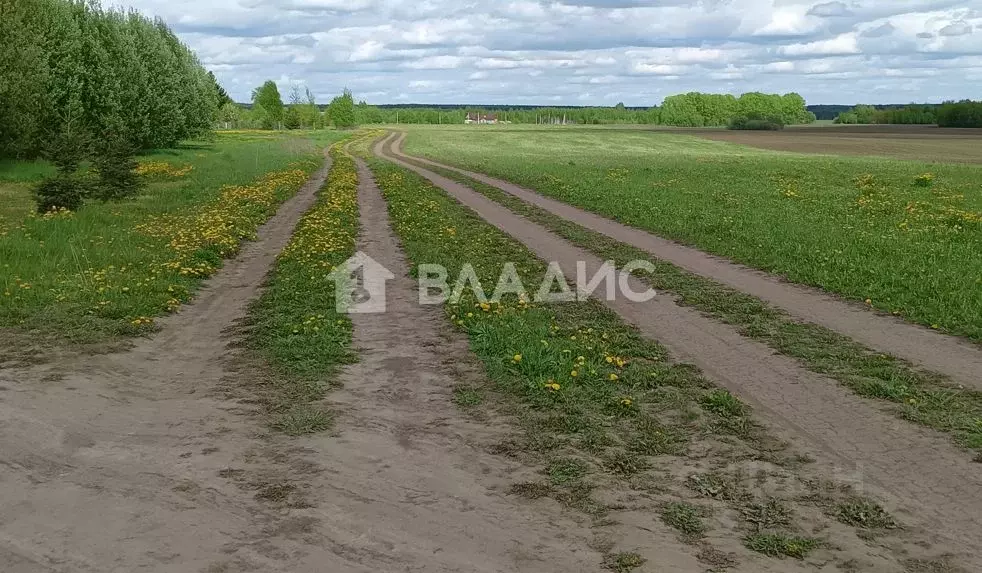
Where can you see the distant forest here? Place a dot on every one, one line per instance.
(830, 112)
(824, 112)
(692, 109)
(752, 110)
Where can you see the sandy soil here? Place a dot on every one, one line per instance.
(915, 142)
(407, 485)
(960, 360)
(133, 461)
(145, 461)
(916, 473)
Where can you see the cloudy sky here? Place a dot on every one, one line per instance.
(587, 52)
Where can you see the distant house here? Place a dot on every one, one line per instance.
(481, 118)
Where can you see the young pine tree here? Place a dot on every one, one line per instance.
(67, 146)
(115, 162)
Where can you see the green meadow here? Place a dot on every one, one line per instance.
(902, 236)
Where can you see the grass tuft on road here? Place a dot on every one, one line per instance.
(295, 326)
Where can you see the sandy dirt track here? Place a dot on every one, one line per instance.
(407, 484)
(132, 461)
(956, 358)
(917, 472)
(145, 461)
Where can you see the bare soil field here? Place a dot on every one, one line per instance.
(915, 142)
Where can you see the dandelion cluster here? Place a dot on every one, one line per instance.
(199, 240)
(155, 169)
(301, 330)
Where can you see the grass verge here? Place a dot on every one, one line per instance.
(295, 326)
(918, 396)
(109, 269)
(598, 406)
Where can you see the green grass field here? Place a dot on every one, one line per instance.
(110, 268)
(867, 229)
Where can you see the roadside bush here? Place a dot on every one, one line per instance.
(756, 123)
(63, 191)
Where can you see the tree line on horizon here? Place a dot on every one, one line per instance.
(692, 109)
(965, 113)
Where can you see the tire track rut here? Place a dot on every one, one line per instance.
(408, 485)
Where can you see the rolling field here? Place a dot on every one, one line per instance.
(903, 237)
(110, 269)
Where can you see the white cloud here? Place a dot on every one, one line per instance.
(830, 10)
(838, 46)
(956, 29)
(548, 51)
(435, 63)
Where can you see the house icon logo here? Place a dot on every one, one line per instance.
(359, 285)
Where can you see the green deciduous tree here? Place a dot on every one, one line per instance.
(267, 97)
(342, 111)
(118, 70)
(965, 113)
(229, 115)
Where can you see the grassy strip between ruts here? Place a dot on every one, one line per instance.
(295, 326)
(921, 397)
(109, 269)
(600, 405)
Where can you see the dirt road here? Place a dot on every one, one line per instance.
(948, 355)
(147, 460)
(407, 484)
(917, 472)
(134, 461)
(144, 461)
